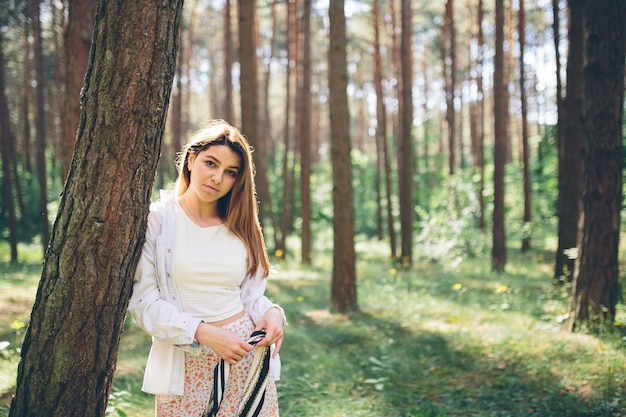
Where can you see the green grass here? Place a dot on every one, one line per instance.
(433, 341)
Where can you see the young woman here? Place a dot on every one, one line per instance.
(200, 283)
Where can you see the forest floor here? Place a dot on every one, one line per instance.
(441, 339)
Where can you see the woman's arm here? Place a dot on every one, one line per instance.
(264, 313)
(148, 303)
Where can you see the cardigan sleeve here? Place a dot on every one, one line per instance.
(253, 297)
(151, 304)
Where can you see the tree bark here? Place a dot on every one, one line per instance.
(498, 254)
(481, 116)
(40, 123)
(26, 87)
(263, 144)
(343, 287)
(285, 208)
(189, 54)
(381, 130)
(405, 162)
(527, 229)
(229, 114)
(70, 348)
(595, 286)
(570, 148)
(305, 135)
(175, 116)
(449, 66)
(556, 30)
(8, 159)
(78, 36)
(248, 64)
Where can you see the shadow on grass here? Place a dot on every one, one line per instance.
(373, 364)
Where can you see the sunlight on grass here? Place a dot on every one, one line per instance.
(440, 339)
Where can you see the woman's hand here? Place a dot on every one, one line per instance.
(272, 323)
(226, 344)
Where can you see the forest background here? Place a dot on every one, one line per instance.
(480, 139)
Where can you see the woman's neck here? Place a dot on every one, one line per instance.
(202, 213)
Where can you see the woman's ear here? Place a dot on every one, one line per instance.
(190, 159)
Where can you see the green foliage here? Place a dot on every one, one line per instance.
(442, 339)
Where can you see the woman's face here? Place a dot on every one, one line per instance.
(213, 172)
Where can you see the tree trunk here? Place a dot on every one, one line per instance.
(78, 36)
(59, 25)
(8, 159)
(405, 172)
(229, 114)
(556, 30)
(175, 117)
(247, 61)
(561, 199)
(595, 286)
(381, 132)
(305, 134)
(500, 109)
(262, 148)
(189, 51)
(294, 137)
(481, 116)
(343, 288)
(287, 142)
(40, 124)
(527, 229)
(570, 148)
(449, 60)
(70, 348)
(381, 122)
(26, 87)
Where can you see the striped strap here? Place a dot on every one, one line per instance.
(254, 390)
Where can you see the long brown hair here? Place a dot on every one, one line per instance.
(238, 208)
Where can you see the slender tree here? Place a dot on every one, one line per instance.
(26, 94)
(227, 45)
(288, 148)
(570, 148)
(70, 349)
(59, 25)
(263, 141)
(480, 145)
(175, 117)
(40, 122)
(595, 285)
(343, 288)
(384, 162)
(7, 157)
(248, 65)
(556, 30)
(305, 134)
(189, 54)
(405, 161)
(525, 146)
(500, 109)
(476, 108)
(449, 67)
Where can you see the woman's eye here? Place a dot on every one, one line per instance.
(232, 173)
(210, 163)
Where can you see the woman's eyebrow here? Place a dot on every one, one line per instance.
(219, 162)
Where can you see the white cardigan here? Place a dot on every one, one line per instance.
(155, 304)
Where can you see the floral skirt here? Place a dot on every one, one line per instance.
(199, 383)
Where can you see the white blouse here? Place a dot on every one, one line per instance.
(208, 267)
